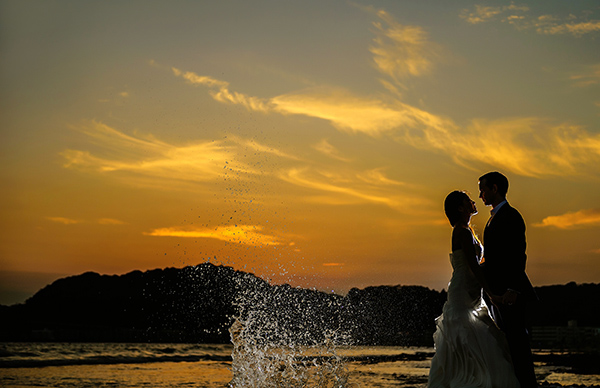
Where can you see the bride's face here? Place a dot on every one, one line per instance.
(469, 206)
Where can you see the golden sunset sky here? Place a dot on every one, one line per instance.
(308, 142)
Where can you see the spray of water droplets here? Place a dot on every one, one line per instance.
(287, 337)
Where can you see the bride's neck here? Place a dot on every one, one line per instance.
(462, 224)
(465, 221)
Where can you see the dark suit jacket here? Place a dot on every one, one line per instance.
(504, 253)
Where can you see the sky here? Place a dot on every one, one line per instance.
(308, 142)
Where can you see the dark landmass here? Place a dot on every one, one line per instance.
(200, 304)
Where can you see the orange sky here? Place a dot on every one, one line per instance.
(307, 142)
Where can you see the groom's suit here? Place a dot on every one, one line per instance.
(504, 269)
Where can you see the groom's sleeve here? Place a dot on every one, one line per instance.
(516, 257)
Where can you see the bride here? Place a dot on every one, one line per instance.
(470, 350)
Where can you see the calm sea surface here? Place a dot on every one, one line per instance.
(188, 365)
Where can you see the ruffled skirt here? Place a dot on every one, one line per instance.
(470, 350)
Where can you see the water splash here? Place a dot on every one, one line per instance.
(281, 339)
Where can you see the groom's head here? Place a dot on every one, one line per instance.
(493, 187)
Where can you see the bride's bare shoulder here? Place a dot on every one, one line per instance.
(461, 231)
(459, 235)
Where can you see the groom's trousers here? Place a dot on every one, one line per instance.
(513, 322)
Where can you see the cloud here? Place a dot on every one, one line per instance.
(327, 149)
(581, 219)
(101, 221)
(261, 148)
(517, 16)
(63, 220)
(344, 110)
(481, 14)
(149, 162)
(590, 77)
(353, 188)
(376, 177)
(239, 234)
(528, 146)
(550, 26)
(220, 91)
(401, 51)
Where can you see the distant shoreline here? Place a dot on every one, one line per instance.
(198, 304)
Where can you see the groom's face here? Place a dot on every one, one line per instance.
(486, 193)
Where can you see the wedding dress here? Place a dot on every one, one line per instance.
(470, 350)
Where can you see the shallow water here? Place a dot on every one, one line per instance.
(188, 365)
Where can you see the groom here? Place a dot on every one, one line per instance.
(503, 266)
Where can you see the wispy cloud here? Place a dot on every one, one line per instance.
(327, 149)
(64, 220)
(148, 162)
(518, 16)
(344, 110)
(579, 219)
(261, 148)
(528, 146)
(588, 77)
(400, 51)
(145, 160)
(116, 97)
(353, 188)
(220, 91)
(239, 234)
(481, 14)
(549, 25)
(377, 177)
(70, 221)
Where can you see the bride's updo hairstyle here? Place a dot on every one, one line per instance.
(453, 201)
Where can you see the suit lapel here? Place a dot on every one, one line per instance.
(489, 221)
(498, 213)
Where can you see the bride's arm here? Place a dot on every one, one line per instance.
(465, 239)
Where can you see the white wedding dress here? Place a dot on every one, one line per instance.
(470, 350)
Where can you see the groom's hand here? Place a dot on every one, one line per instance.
(510, 297)
(496, 299)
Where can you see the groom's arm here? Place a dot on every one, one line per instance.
(515, 257)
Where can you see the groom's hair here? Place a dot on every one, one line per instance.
(495, 178)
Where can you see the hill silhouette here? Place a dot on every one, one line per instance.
(200, 303)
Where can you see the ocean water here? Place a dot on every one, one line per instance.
(189, 365)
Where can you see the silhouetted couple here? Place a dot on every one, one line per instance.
(482, 337)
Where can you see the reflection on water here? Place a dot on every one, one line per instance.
(258, 363)
(189, 365)
(185, 365)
